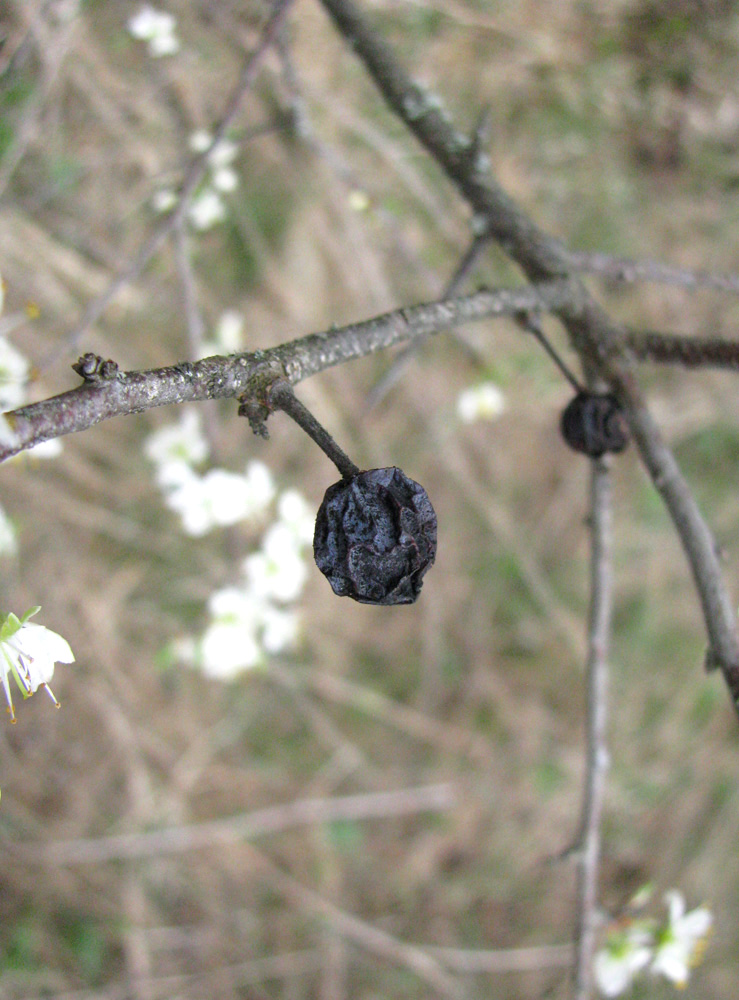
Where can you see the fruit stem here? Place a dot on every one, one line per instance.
(282, 397)
(532, 324)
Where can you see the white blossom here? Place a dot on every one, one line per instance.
(157, 28)
(183, 441)
(223, 154)
(358, 200)
(626, 952)
(225, 179)
(46, 449)
(228, 329)
(200, 140)
(279, 628)
(206, 209)
(483, 401)
(230, 643)
(227, 648)
(295, 513)
(226, 337)
(13, 375)
(163, 200)
(217, 499)
(28, 653)
(260, 484)
(680, 940)
(278, 571)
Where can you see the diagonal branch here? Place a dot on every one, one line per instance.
(219, 377)
(625, 269)
(697, 540)
(600, 342)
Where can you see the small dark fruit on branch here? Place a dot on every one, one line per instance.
(375, 537)
(594, 424)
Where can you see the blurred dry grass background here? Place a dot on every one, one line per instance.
(616, 125)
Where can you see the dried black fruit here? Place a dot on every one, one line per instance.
(594, 424)
(375, 537)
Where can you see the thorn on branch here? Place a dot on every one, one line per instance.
(95, 370)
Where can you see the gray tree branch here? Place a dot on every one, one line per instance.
(601, 343)
(596, 755)
(119, 393)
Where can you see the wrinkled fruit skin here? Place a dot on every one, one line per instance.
(594, 424)
(375, 537)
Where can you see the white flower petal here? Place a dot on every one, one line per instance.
(279, 629)
(227, 649)
(223, 154)
(206, 209)
(484, 401)
(14, 368)
(200, 140)
(30, 655)
(296, 513)
(163, 200)
(225, 179)
(227, 334)
(164, 44)
(183, 441)
(47, 449)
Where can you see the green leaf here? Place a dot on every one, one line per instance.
(10, 626)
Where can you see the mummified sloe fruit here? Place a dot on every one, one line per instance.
(375, 537)
(594, 424)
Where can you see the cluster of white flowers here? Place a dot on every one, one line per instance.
(28, 653)
(483, 401)
(218, 497)
(256, 616)
(157, 29)
(670, 948)
(207, 207)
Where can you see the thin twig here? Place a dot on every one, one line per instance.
(625, 269)
(228, 377)
(193, 316)
(533, 325)
(596, 756)
(52, 43)
(190, 182)
(247, 826)
(692, 352)
(194, 321)
(378, 942)
(499, 960)
(401, 361)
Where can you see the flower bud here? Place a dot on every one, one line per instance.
(375, 537)
(594, 424)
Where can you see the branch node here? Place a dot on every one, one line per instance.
(254, 402)
(95, 370)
